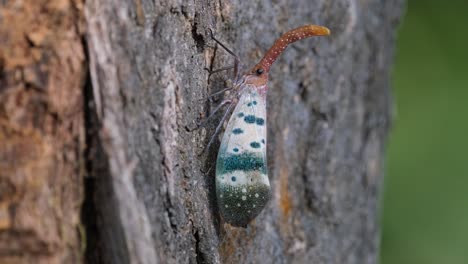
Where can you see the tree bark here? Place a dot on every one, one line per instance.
(42, 71)
(135, 84)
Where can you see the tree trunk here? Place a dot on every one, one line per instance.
(149, 195)
(42, 72)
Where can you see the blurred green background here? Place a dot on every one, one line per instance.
(425, 210)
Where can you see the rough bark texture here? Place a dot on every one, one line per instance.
(42, 72)
(149, 195)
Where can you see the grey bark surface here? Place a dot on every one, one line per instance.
(329, 109)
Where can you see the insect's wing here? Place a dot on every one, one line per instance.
(242, 184)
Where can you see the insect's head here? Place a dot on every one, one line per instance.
(257, 76)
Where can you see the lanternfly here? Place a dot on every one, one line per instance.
(242, 185)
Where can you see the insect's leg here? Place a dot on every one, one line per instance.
(217, 93)
(212, 114)
(218, 128)
(211, 72)
(236, 58)
(222, 45)
(209, 97)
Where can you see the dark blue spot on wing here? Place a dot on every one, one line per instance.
(260, 121)
(233, 178)
(249, 104)
(255, 102)
(235, 149)
(240, 114)
(237, 131)
(263, 141)
(250, 119)
(255, 144)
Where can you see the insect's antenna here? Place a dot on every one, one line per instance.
(287, 38)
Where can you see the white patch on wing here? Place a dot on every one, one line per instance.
(252, 133)
(242, 178)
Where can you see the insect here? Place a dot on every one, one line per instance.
(242, 184)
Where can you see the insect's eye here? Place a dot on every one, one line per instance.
(259, 71)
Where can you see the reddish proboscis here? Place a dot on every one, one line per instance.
(281, 43)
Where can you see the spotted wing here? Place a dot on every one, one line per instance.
(242, 184)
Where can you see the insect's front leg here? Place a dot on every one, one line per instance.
(210, 72)
(220, 125)
(209, 97)
(236, 58)
(212, 114)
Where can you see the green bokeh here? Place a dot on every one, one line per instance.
(425, 210)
